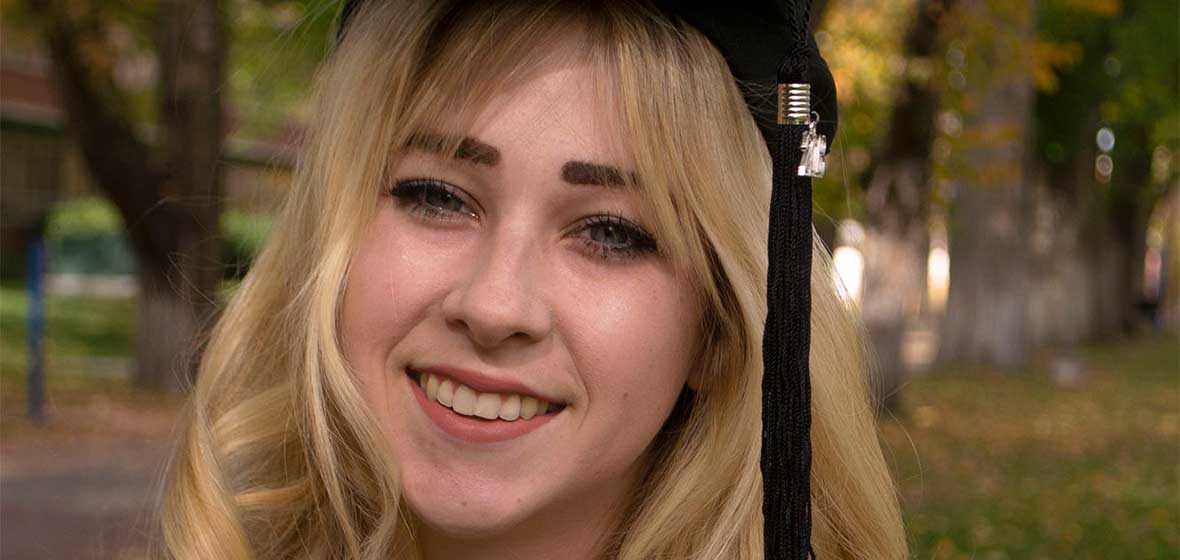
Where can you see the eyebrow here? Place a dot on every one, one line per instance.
(468, 148)
(474, 151)
(585, 173)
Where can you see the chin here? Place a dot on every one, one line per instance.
(465, 510)
(473, 522)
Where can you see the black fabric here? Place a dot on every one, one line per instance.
(768, 43)
(757, 40)
(786, 343)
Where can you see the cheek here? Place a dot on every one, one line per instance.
(391, 285)
(634, 347)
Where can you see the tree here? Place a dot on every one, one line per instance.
(985, 315)
(1110, 74)
(169, 193)
(1142, 111)
(897, 201)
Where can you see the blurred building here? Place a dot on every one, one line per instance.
(40, 165)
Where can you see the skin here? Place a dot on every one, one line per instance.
(504, 277)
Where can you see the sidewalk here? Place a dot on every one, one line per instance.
(87, 485)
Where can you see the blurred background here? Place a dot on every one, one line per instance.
(1002, 201)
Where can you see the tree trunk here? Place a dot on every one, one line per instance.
(1170, 298)
(169, 199)
(1127, 212)
(984, 321)
(1117, 240)
(897, 210)
(1059, 261)
(894, 285)
(192, 62)
(1061, 242)
(165, 345)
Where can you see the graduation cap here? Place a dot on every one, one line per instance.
(769, 47)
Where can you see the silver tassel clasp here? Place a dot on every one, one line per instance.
(815, 148)
(794, 107)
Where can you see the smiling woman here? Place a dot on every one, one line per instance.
(513, 308)
(516, 279)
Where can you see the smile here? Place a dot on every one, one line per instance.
(479, 417)
(489, 406)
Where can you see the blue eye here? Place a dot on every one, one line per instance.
(608, 236)
(431, 198)
(615, 238)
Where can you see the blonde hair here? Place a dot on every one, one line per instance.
(281, 456)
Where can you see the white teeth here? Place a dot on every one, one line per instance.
(489, 406)
(528, 407)
(446, 392)
(464, 402)
(510, 409)
(431, 386)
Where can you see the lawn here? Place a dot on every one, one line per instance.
(989, 465)
(88, 342)
(1014, 466)
(75, 326)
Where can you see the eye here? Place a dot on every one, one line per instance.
(431, 198)
(615, 238)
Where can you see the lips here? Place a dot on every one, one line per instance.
(490, 406)
(478, 415)
(479, 382)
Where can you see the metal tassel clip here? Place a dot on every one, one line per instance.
(794, 107)
(815, 147)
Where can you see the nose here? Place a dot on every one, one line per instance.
(495, 301)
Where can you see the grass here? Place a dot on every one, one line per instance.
(77, 326)
(1014, 466)
(989, 465)
(88, 342)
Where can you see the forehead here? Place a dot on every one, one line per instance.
(555, 110)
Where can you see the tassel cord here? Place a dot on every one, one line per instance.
(786, 389)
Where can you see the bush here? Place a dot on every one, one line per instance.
(90, 215)
(242, 236)
(86, 236)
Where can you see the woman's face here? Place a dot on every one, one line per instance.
(513, 273)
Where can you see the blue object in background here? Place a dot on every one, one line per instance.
(36, 330)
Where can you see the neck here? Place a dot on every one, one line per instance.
(578, 529)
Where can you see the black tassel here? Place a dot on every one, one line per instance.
(786, 386)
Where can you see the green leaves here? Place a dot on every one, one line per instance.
(274, 52)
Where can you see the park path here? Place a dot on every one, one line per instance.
(87, 493)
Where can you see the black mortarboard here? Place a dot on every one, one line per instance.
(769, 48)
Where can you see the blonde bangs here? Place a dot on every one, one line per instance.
(488, 49)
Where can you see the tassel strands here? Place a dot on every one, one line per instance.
(786, 388)
(786, 342)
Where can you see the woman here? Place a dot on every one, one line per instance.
(513, 307)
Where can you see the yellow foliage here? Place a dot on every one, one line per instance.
(858, 41)
(1107, 8)
(1048, 57)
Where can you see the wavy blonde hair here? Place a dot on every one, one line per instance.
(280, 455)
